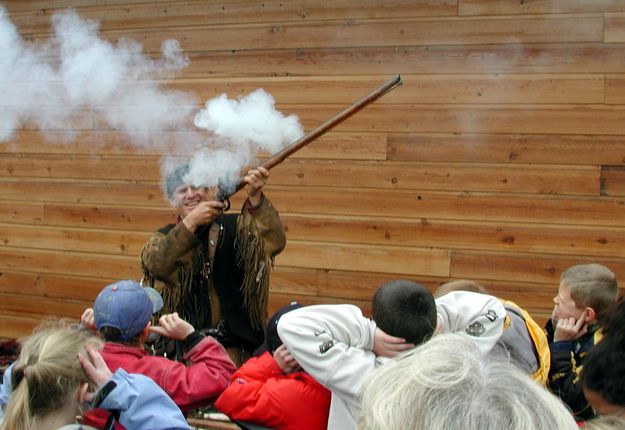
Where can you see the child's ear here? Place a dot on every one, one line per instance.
(82, 393)
(146, 329)
(591, 315)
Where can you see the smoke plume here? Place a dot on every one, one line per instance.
(52, 83)
(245, 126)
(76, 74)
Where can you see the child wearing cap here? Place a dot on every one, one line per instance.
(122, 314)
(271, 389)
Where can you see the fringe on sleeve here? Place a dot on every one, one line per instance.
(251, 256)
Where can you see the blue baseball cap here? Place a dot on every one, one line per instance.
(126, 306)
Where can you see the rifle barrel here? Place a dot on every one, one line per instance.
(280, 156)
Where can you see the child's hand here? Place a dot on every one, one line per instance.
(385, 345)
(569, 329)
(173, 327)
(88, 320)
(285, 360)
(95, 368)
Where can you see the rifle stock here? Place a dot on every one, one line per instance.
(328, 125)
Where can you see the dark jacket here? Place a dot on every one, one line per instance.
(567, 360)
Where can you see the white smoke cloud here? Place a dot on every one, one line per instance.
(247, 125)
(51, 83)
(75, 75)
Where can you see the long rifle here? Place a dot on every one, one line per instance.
(279, 157)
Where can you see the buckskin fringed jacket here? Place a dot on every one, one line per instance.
(219, 275)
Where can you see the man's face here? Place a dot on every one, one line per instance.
(565, 306)
(186, 198)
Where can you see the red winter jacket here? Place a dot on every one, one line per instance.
(190, 386)
(260, 393)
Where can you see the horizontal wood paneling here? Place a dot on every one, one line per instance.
(613, 181)
(81, 166)
(390, 60)
(278, 300)
(403, 204)
(52, 285)
(530, 267)
(424, 232)
(436, 89)
(38, 307)
(79, 240)
(614, 32)
(69, 263)
(499, 159)
(14, 326)
(488, 178)
(615, 89)
(294, 281)
(82, 191)
(554, 119)
(201, 12)
(421, 232)
(138, 218)
(511, 148)
(365, 146)
(505, 7)
(389, 32)
(386, 259)
(21, 212)
(35, 5)
(469, 206)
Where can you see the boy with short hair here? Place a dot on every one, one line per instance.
(586, 294)
(122, 314)
(338, 346)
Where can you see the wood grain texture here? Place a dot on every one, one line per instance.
(428, 232)
(70, 263)
(534, 268)
(431, 89)
(390, 60)
(507, 148)
(386, 259)
(437, 176)
(541, 7)
(201, 12)
(500, 158)
(468, 206)
(579, 28)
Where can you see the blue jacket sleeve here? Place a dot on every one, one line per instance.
(142, 404)
(5, 390)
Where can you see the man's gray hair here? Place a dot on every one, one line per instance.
(447, 384)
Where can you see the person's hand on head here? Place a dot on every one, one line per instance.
(385, 345)
(256, 180)
(204, 213)
(569, 329)
(173, 327)
(96, 369)
(286, 362)
(87, 319)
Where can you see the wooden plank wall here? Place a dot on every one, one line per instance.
(500, 159)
